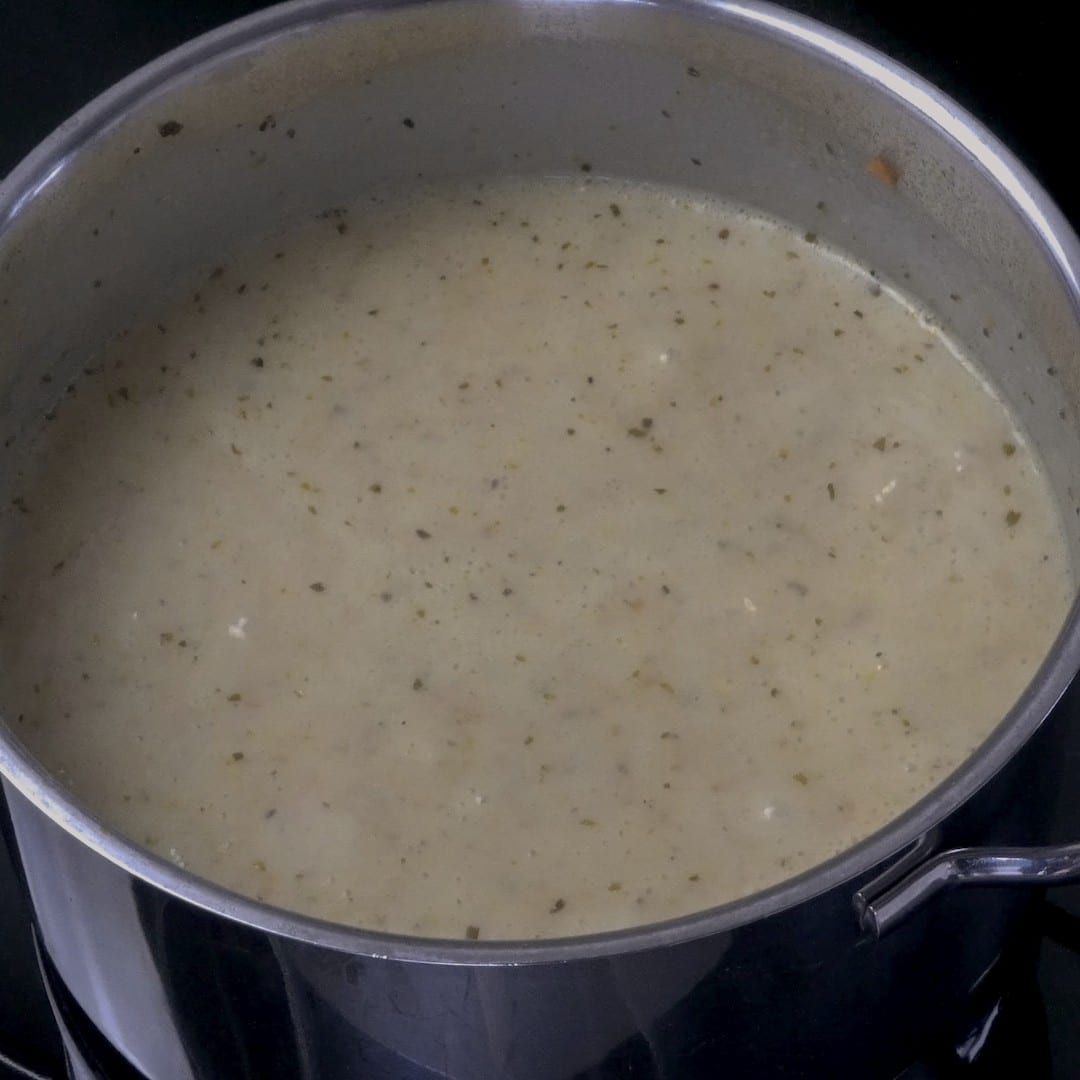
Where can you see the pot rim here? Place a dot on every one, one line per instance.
(46, 164)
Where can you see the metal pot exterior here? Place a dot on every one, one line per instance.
(175, 165)
(184, 993)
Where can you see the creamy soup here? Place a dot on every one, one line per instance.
(523, 559)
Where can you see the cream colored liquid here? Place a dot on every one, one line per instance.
(523, 560)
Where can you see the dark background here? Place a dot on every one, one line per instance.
(1013, 65)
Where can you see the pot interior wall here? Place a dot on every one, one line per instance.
(281, 132)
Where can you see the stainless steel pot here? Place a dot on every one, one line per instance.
(301, 107)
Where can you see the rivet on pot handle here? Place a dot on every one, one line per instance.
(889, 899)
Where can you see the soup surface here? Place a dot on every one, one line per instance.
(524, 558)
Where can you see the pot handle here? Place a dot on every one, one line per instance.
(889, 899)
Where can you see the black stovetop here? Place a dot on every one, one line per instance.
(1014, 70)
